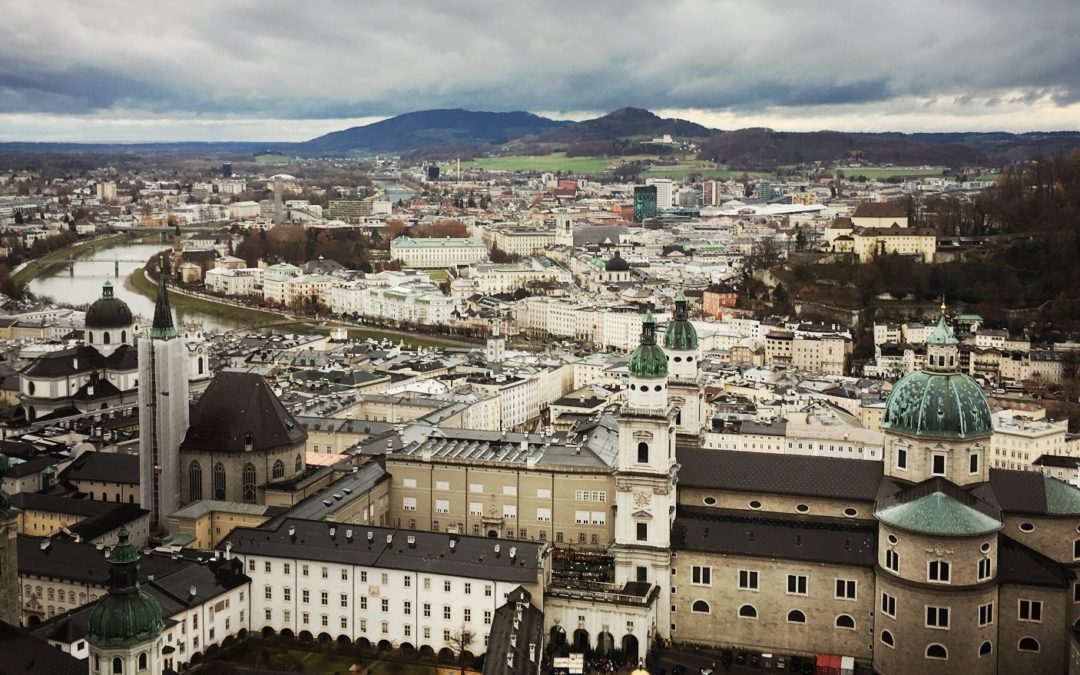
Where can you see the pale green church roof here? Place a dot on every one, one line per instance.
(648, 360)
(1062, 499)
(938, 514)
(681, 334)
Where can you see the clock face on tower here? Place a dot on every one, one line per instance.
(641, 500)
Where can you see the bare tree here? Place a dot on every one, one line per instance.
(459, 642)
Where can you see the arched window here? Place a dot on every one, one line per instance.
(936, 651)
(1028, 644)
(90, 333)
(142, 661)
(279, 470)
(748, 612)
(643, 452)
(299, 463)
(123, 336)
(887, 638)
(249, 483)
(219, 481)
(985, 648)
(845, 621)
(194, 481)
(200, 362)
(105, 340)
(117, 666)
(796, 616)
(701, 607)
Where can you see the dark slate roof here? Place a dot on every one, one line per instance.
(516, 639)
(1018, 564)
(109, 467)
(82, 561)
(81, 359)
(828, 477)
(24, 653)
(31, 466)
(473, 557)
(791, 538)
(880, 210)
(1033, 493)
(237, 404)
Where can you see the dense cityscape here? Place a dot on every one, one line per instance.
(504, 393)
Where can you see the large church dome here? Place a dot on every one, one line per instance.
(940, 401)
(108, 311)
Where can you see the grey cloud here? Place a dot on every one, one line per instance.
(327, 59)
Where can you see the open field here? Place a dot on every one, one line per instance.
(556, 161)
(880, 173)
(272, 159)
(705, 169)
(28, 273)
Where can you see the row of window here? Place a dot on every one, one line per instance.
(797, 584)
(305, 570)
(751, 612)
(756, 505)
(938, 571)
(247, 479)
(938, 617)
(343, 622)
(938, 651)
(938, 462)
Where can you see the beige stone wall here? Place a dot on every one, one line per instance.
(44, 598)
(494, 488)
(234, 463)
(44, 523)
(911, 635)
(1053, 537)
(103, 491)
(771, 630)
(1049, 632)
(916, 552)
(921, 451)
(775, 503)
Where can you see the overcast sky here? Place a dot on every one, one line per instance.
(268, 70)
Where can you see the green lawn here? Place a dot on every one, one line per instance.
(272, 159)
(438, 275)
(880, 173)
(556, 161)
(704, 169)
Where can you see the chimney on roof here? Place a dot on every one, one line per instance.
(390, 540)
(411, 541)
(292, 532)
(498, 549)
(348, 535)
(192, 592)
(333, 533)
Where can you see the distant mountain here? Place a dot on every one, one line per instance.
(766, 148)
(621, 124)
(428, 128)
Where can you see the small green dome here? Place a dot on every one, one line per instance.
(940, 515)
(648, 360)
(938, 405)
(126, 615)
(681, 334)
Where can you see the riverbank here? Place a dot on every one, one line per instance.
(138, 282)
(34, 268)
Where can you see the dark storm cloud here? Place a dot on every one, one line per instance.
(350, 59)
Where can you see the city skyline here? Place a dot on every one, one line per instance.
(279, 72)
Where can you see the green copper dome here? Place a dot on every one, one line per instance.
(680, 334)
(938, 405)
(126, 615)
(941, 335)
(648, 360)
(939, 514)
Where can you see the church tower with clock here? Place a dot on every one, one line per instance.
(645, 473)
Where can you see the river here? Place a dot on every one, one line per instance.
(93, 269)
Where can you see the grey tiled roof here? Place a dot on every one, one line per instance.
(834, 478)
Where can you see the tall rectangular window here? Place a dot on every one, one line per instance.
(937, 617)
(701, 576)
(642, 531)
(986, 614)
(888, 605)
(796, 584)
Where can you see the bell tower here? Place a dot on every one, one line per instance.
(125, 625)
(645, 473)
(163, 412)
(681, 346)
